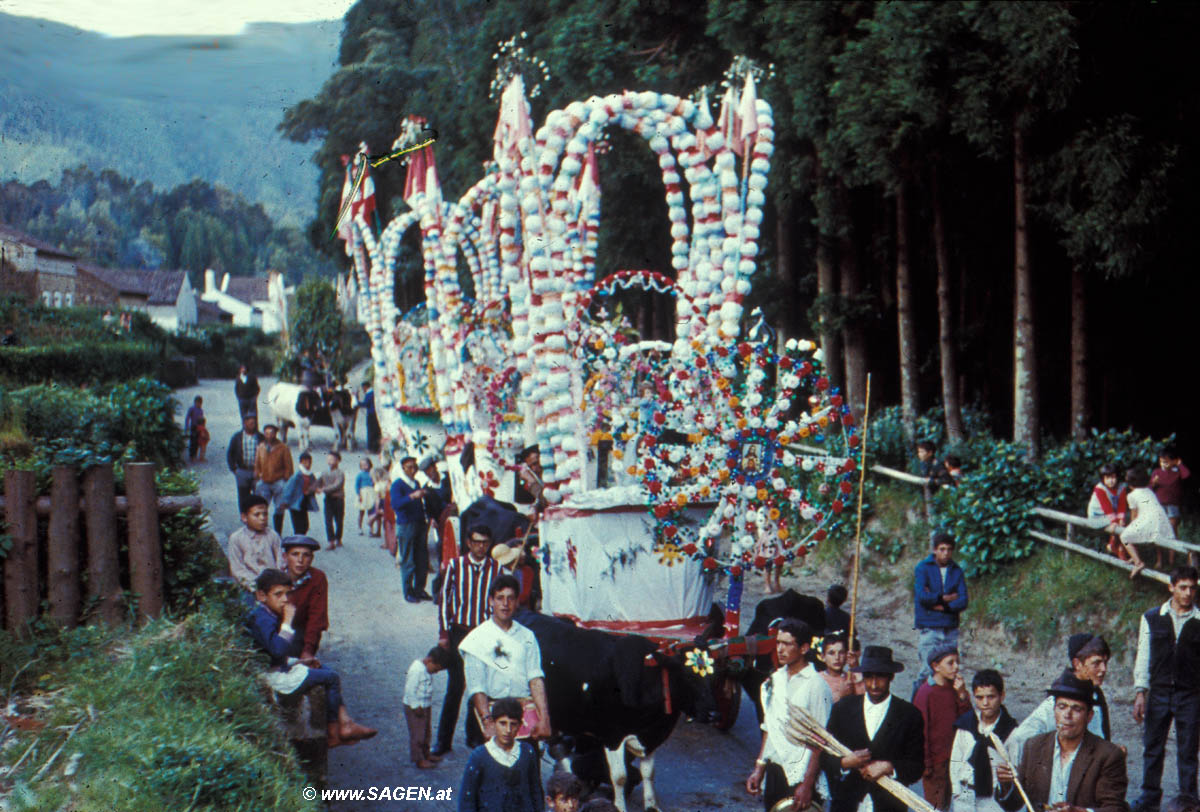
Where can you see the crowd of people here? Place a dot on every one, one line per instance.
(953, 735)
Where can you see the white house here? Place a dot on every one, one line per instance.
(253, 301)
(172, 300)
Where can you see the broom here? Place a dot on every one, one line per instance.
(999, 745)
(803, 729)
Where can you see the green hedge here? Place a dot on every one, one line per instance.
(79, 362)
(46, 425)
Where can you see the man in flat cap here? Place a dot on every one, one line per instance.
(1069, 769)
(1088, 654)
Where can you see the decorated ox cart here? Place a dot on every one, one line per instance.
(666, 470)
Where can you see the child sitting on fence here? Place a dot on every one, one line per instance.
(1147, 519)
(1109, 501)
(1167, 484)
(270, 626)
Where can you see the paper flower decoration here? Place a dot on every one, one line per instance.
(700, 661)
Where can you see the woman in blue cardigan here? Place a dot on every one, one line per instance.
(503, 774)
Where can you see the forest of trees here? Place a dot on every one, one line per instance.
(972, 201)
(116, 222)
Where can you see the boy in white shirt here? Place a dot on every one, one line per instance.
(973, 758)
(418, 704)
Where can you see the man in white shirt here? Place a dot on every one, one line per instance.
(790, 769)
(501, 658)
(1088, 655)
(1166, 676)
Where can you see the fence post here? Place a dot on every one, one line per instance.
(63, 554)
(145, 549)
(21, 564)
(104, 584)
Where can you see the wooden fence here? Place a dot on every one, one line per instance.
(1069, 520)
(83, 528)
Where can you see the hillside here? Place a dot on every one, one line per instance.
(164, 109)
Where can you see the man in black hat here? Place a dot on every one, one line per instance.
(1166, 675)
(1088, 654)
(243, 445)
(886, 734)
(310, 596)
(1069, 769)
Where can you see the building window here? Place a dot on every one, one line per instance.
(58, 298)
(70, 299)
(46, 297)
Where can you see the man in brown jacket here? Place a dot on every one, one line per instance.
(272, 469)
(1070, 769)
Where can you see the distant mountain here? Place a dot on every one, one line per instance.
(165, 108)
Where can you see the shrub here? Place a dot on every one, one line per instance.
(989, 510)
(72, 363)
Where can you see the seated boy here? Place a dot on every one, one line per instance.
(270, 626)
(564, 792)
(253, 547)
(310, 596)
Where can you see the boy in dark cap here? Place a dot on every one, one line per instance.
(940, 704)
(1088, 655)
(884, 732)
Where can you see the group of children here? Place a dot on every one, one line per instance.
(1145, 507)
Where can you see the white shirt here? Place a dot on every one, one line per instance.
(418, 686)
(1141, 665)
(1060, 774)
(873, 717)
(506, 758)
(804, 689)
(500, 663)
(962, 772)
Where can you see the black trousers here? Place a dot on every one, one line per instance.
(299, 521)
(335, 514)
(420, 558)
(456, 686)
(1161, 707)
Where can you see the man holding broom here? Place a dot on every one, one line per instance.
(784, 768)
(1069, 769)
(884, 734)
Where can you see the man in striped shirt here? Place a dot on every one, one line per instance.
(463, 606)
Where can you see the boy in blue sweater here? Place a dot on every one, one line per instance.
(270, 625)
(940, 593)
(503, 774)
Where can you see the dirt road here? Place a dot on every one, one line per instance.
(374, 635)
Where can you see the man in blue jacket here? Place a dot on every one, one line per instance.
(940, 594)
(410, 526)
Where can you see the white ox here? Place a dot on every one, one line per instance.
(294, 405)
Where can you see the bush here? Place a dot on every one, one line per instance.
(78, 362)
(66, 426)
(989, 510)
(220, 349)
(889, 443)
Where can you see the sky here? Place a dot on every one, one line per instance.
(126, 18)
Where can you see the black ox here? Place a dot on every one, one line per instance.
(618, 691)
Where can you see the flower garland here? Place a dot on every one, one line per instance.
(736, 459)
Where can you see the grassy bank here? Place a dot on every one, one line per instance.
(168, 717)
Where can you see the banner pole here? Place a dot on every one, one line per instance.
(862, 475)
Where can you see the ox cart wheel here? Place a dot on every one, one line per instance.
(727, 693)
